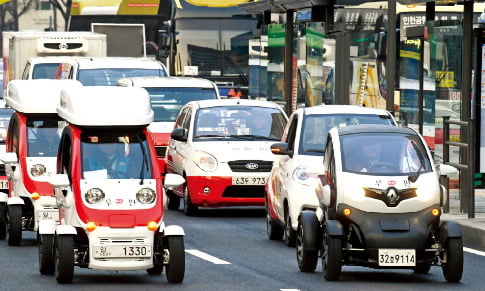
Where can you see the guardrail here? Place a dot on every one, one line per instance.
(467, 190)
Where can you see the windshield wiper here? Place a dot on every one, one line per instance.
(414, 178)
(315, 151)
(209, 135)
(253, 137)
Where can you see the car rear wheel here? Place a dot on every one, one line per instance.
(173, 202)
(3, 220)
(64, 259)
(290, 234)
(14, 225)
(332, 258)
(273, 229)
(46, 254)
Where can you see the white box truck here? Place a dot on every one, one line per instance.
(20, 46)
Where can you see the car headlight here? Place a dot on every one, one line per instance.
(146, 195)
(94, 195)
(37, 170)
(205, 161)
(301, 175)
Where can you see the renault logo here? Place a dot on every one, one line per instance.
(392, 196)
(252, 166)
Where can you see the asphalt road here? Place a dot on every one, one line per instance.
(227, 249)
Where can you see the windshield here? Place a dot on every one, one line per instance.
(239, 122)
(115, 155)
(43, 136)
(384, 154)
(110, 76)
(313, 136)
(166, 102)
(45, 71)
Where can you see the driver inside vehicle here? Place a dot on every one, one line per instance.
(368, 158)
(109, 158)
(46, 143)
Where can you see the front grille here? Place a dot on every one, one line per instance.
(161, 151)
(242, 166)
(68, 46)
(244, 192)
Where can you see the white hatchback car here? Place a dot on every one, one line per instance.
(289, 189)
(222, 148)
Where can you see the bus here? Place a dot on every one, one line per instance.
(196, 38)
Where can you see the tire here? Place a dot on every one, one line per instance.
(173, 202)
(3, 221)
(290, 234)
(422, 268)
(64, 259)
(175, 269)
(307, 260)
(273, 229)
(14, 225)
(453, 268)
(189, 208)
(332, 258)
(46, 254)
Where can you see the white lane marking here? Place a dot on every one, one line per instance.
(473, 251)
(207, 257)
(289, 289)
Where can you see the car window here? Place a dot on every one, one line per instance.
(239, 122)
(110, 76)
(315, 127)
(5, 115)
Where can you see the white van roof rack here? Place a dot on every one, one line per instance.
(106, 106)
(37, 96)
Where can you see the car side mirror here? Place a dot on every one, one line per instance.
(59, 181)
(173, 181)
(281, 148)
(8, 157)
(446, 170)
(179, 134)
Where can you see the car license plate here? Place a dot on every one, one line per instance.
(49, 215)
(3, 184)
(123, 251)
(397, 257)
(248, 180)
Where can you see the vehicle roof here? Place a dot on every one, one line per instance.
(336, 109)
(117, 62)
(226, 102)
(37, 96)
(374, 128)
(51, 59)
(185, 82)
(106, 106)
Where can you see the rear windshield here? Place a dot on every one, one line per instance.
(110, 76)
(166, 102)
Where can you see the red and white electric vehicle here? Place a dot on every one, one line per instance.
(30, 157)
(110, 216)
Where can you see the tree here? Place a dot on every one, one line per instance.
(11, 11)
(64, 7)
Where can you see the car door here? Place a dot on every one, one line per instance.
(179, 151)
(284, 165)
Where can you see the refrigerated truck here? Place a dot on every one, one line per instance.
(20, 46)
